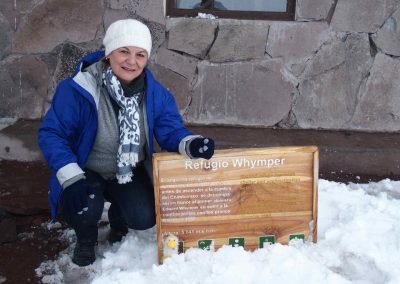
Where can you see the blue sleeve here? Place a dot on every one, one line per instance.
(168, 128)
(58, 128)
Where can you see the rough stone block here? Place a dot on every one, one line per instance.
(14, 11)
(23, 86)
(239, 40)
(151, 10)
(111, 15)
(388, 37)
(323, 101)
(54, 21)
(358, 61)
(192, 36)
(330, 84)
(379, 107)
(241, 93)
(361, 15)
(313, 9)
(292, 41)
(329, 56)
(181, 64)
(5, 36)
(158, 36)
(352, 50)
(67, 61)
(175, 83)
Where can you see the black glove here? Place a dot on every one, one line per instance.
(201, 148)
(75, 197)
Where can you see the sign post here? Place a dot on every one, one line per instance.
(241, 197)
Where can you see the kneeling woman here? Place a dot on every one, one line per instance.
(97, 138)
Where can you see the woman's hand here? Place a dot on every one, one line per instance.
(75, 197)
(201, 148)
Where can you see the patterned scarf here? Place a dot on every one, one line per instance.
(129, 132)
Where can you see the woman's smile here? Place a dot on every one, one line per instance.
(127, 63)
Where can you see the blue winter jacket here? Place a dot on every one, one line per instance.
(68, 130)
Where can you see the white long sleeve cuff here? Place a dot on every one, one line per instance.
(183, 150)
(68, 171)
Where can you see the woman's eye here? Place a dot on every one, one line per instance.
(124, 51)
(140, 54)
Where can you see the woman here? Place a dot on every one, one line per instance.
(97, 138)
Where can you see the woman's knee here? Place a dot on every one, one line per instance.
(144, 221)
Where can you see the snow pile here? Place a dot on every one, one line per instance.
(358, 242)
(206, 16)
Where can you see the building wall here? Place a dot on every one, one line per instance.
(335, 67)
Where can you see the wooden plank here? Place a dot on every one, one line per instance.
(247, 194)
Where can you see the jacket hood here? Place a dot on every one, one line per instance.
(89, 60)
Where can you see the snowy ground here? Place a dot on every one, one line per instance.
(358, 242)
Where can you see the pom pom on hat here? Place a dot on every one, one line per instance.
(128, 32)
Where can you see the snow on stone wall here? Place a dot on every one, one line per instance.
(335, 67)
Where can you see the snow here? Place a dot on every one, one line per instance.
(358, 242)
(206, 16)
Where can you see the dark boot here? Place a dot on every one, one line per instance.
(116, 235)
(83, 255)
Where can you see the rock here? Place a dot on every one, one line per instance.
(157, 34)
(294, 40)
(241, 93)
(54, 21)
(151, 10)
(239, 40)
(313, 9)
(24, 81)
(330, 84)
(5, 36)
(8, 231)
(379, 107)
(361, 15)
(175, 83)
(67, 61)
(387, 38)
(330, 56)
(181, 64)
(14, 11)
(192, 36)
(111, 15)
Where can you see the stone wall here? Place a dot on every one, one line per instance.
(335, 67)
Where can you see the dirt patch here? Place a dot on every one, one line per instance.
(34, 244)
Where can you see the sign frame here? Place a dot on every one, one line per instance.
(303, 157)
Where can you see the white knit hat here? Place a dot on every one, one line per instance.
(127, 32)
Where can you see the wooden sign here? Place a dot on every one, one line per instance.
(241, 197)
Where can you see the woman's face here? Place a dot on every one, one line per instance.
(127, 63)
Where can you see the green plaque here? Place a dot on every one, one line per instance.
(296, 236)
(180, 247)
(266, 239)
(205, 244)
(236, 242)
